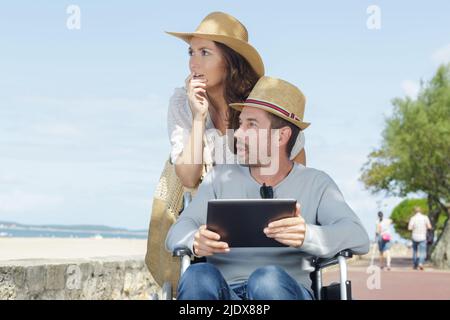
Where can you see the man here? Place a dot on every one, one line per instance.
(419, 224)
(324, 224)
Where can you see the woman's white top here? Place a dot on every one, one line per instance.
(216, 150)
(384, 225)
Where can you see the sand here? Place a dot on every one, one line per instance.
(68, 248)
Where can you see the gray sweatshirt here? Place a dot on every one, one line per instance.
(331, 225)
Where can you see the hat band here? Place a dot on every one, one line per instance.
(274, 107)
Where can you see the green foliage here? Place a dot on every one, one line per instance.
(405, 210)
(415, 151)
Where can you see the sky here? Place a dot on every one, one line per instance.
(83, 135)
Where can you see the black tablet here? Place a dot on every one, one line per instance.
(240, 222)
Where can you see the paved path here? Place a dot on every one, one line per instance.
(401, 282)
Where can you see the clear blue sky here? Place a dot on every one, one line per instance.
(83, 112)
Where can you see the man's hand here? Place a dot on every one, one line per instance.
(289, 231)
(206, 243)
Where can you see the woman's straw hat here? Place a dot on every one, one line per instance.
(278, 97)
(223, 28)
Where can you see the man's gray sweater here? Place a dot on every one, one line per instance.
(331, 225)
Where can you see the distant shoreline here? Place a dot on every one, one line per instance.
(11, 229)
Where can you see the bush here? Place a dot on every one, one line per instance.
(405, 210)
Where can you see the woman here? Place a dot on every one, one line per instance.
(224, 69)
(384, 240)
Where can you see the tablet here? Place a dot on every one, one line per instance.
(240, 222)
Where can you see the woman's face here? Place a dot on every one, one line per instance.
(207, 62)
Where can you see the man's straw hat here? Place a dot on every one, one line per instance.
(278, 97)
(223, 28)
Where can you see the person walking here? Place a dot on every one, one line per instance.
(419, 224)
(383, 237)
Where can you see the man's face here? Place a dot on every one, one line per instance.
(254, 137)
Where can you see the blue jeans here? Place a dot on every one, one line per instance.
(203, 281)
(419, 252)
(383, 245)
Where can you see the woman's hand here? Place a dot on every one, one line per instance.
(197, 97)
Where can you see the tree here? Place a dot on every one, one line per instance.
(414, 156)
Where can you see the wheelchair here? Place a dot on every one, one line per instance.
(334, 291)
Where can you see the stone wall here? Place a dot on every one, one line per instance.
(102, 278)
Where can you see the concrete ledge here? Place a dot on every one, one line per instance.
(94, 278)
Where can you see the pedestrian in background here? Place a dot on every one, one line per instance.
(383, 237)
(419, 224)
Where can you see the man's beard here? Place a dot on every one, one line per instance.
(265, 158)
(245, 160)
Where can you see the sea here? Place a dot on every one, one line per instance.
(60, 233)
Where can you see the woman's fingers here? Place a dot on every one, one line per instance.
(198, 82)
(199, 97)
(199, 90)
(195, 83)
(199, 93)
(195, 86)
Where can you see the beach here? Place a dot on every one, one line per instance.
(67, 248)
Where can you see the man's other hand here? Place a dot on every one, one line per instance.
(288, 231)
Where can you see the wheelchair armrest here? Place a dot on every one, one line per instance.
(321, 263)
(185, 254)
(181, 252)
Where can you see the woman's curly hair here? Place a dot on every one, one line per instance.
(239, 81)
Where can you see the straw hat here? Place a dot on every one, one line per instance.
(223, 28)
(278, 97)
